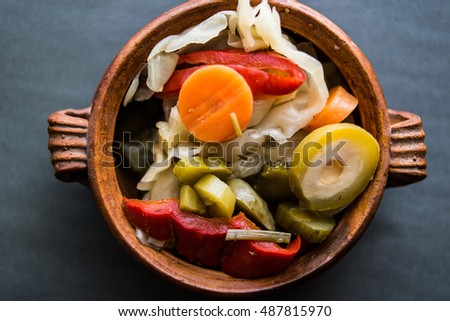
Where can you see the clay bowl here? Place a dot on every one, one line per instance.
(79, 140)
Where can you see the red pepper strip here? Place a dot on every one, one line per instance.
(199, 239)
(267, 73)
(253, 259)
(152, 217)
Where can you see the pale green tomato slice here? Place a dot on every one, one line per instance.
(217, 195)
(309, 226)
(251, 203)
(190, 201)
(333, 165)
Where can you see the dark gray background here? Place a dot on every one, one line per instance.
(54, 244)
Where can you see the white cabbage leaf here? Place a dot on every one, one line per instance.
(160, 68)
(138, 90)
(147, 240)
(160, 164)
(166, 186)
(172, 131)
(260, 108)
(288, 117)
(132, 89)
(163, 58)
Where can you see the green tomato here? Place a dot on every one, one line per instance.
(332, 165)
(309, 226)
(217, 195)
(190, 201)
(190, 170)
(251, 203)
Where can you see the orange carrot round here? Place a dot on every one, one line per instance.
(208, 99)
(339, 105)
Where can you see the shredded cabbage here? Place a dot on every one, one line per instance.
(251, 40)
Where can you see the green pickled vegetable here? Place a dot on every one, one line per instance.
(309, 226)
(190, 170)
(332, 166)
(272, 184)
(328, 213)
(190, 201)
(251, 203)
(217, 195)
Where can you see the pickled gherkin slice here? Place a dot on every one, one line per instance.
(332, 165)
(272, 184)
(309, 226)
(217, 195)
(190, 170)
(190, 201)
(251, 203)
(328, 213)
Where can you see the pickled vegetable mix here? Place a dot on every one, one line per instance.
(257, 150)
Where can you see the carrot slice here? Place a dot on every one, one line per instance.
(209, 96)
(339, 105)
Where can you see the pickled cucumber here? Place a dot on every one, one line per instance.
(272, 184)
(332, 166)
(189, 201)
(251, 203)
(217, 195)
(310, 227)
(328, 213)
(190, 170)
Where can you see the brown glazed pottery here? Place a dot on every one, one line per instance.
(77, 139)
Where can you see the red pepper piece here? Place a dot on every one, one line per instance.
(199, 239)
(152, 217)
(267, 73)
(253, 259)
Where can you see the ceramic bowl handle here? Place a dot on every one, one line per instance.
(408, 164)
(67, 143)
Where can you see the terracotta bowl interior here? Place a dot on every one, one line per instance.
(109, 184)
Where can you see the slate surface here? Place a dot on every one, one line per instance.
(54, 245)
